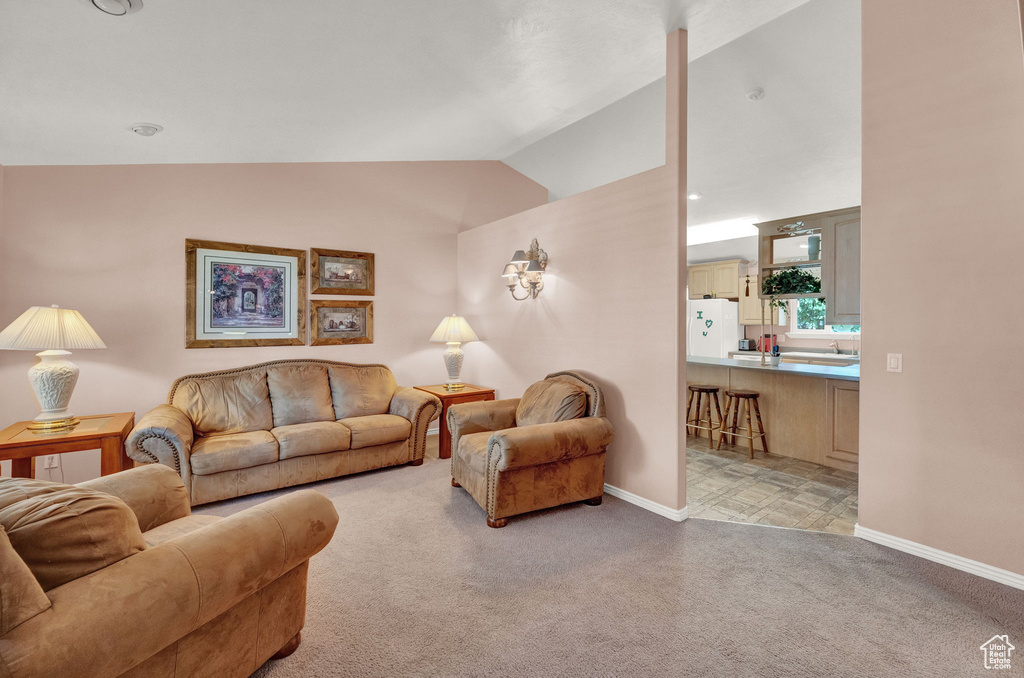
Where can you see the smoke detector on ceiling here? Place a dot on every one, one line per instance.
(116, 7)
(755, 94)
(146, 129)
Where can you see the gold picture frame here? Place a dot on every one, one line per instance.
(330, 324)
(341, 272)
(243, 295)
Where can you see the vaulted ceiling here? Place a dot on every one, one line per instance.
(330, 80)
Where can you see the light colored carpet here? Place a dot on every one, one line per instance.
(415, 584)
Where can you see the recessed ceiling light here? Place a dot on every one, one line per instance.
(117, 7)
(755, 94)
(803, 246)
(695, 195)
(146, 129)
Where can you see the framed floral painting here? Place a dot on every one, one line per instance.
(341, 272)
(243, 295)
(340, 322)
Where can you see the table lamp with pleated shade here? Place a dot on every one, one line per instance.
(453, 330)
(54, 331)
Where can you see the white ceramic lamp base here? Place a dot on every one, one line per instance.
(453, 362)
(53, 379)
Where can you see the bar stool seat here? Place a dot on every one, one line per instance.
(734, 398)
(705, 395)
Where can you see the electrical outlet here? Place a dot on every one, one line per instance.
(894, 362)
(50, 461)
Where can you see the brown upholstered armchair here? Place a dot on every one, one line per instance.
(542, 450)
(114, 577)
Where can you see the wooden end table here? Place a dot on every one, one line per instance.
(469, 394)
(106, 432)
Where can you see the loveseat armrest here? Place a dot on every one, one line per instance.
(155, 493)
(545, 443)
(479, 417)
(113, 619)
(420, 408)
(163, 436)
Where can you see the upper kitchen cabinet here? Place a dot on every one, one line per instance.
(840, 267)
(825, 244)
(750, 306)
(699, 281)
(717, 278)
(725, 278)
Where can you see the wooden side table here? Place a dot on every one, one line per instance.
(469, 394)
(106, 432)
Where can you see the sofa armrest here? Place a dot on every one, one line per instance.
(111, 620)
(163, 436)
(155, 493)
(545, 443)
(480, 416)
(420, 408)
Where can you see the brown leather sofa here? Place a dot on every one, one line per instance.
(282, 423)
(114, 577)
(542, 450)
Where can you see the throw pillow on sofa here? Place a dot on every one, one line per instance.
(69, 533)
(549, 401)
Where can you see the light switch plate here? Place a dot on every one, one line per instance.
(894, 362)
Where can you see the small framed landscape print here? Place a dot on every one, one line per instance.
(341, 322)
(243, 295)
(341, 272)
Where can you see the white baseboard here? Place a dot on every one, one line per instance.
(935, 555)
(433, 430)
(678, 515)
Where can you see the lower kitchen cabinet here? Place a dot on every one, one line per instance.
(815, 419)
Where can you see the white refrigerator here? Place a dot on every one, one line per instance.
(712, 327)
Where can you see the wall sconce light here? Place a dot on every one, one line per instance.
(526, 268)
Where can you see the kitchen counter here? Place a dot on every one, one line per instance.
(810, 412)
(851, 373)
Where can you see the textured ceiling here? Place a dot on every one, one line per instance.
(330, 80)
(795, 151)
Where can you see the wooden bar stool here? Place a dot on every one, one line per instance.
(732, 408)
(702, 395)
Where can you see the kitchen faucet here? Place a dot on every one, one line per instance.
(834, 346)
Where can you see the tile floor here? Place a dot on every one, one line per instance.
(727, 485)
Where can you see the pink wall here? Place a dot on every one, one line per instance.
(611, 305)
(941, 457)
(109, 241)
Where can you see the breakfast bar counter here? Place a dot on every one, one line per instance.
(851, 373)
(810, 412)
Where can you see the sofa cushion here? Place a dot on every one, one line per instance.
(377, 429)
(473, 450)
(299, 394)
(176, 528)
(361, 390)
(549, 401)
(232, 452)
(21, 596)
(234, 403)
(13, 490)
(67, 534)
(316, 437)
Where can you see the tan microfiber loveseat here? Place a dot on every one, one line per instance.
(282, 423)
(542, 450)
(114, 577)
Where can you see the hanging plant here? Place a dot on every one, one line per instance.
(789, 281)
